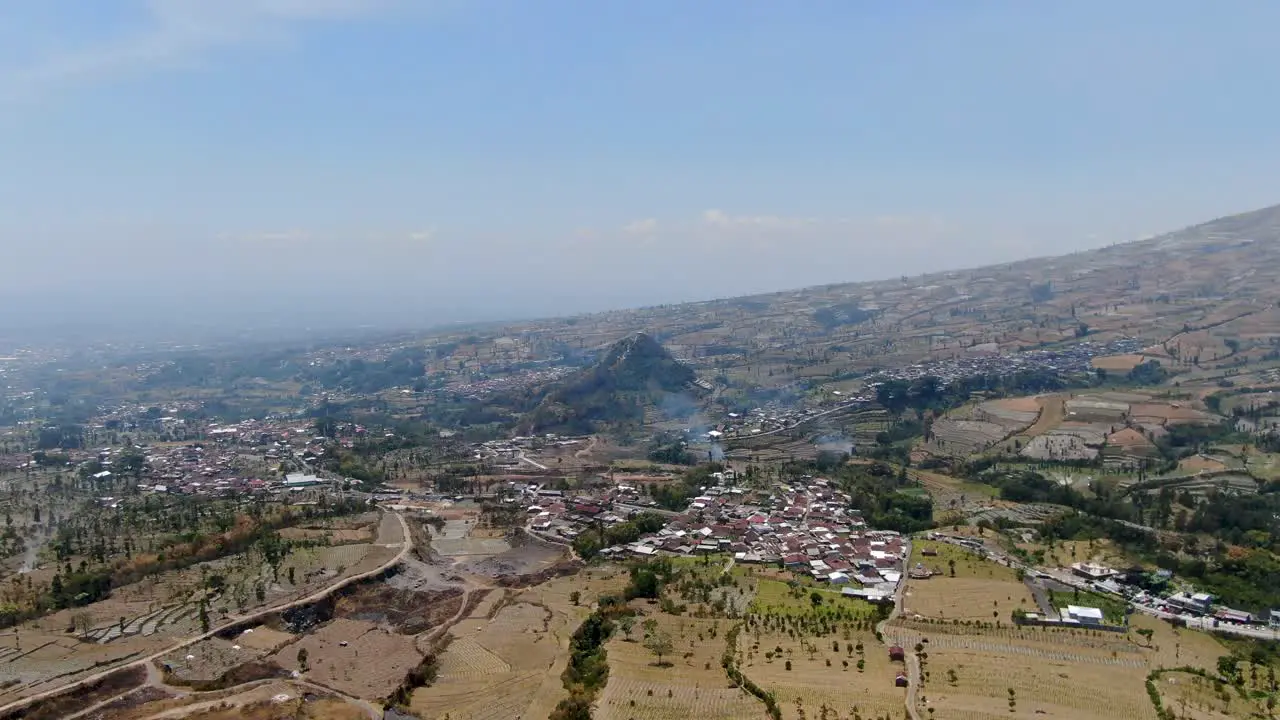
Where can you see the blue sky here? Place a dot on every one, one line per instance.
(416, 161)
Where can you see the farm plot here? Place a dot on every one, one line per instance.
(1021, 410)
(967, 599)
(944, 558)
(964, 586)
(810, 673)
(1169, 414)
(960, 438)
(1069, 441)
(691, 683)
(1118, 363)
(206, 661)
(509, 666)
(981, 684)
(357, 658)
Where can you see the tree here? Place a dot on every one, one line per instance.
(302, 659)
(83, 622)
(574, 597)
(951, 564)
(659, 643)
(627, 623)
(1146, 634)
(587, 545)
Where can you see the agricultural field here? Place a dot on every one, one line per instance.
(818, 657)
(505, 659)
(979, 590)
(988, 680)
(1118, 363)
(354, 657)
(690, 683)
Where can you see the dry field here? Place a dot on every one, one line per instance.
(370, 665)
(505, 659)
(967, 599)
(691, 685)
(1042, 686)
(968, 676)
(277, 700)
(1118, 363)
(811, 681)
(1200, 463)
(980, 591)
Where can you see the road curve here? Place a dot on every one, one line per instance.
(142, 662)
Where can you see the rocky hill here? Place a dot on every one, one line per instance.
(636, 372)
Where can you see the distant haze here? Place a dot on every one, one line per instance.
(338, 163)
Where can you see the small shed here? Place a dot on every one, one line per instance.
(897, 654)
(900, 681)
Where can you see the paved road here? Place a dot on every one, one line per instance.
(258, 614)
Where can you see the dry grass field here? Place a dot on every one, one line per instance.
(690, 684)
(980, 590)
(371, 664)
(1118, 363)
(812, 683)
(977, 684)
(505, 659)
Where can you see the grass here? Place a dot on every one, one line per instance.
(779, 598)
(967, 564)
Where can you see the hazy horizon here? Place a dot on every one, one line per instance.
(390, 163)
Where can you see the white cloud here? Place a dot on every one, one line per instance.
(721, 219)
(646, 226)
(175, 33)
(423, 235)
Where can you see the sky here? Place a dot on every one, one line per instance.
(410, 162)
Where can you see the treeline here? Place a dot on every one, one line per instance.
(887, 499)
(589, 543)
(85, 584)
(588, 669)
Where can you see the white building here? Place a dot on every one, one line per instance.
(1082, 615)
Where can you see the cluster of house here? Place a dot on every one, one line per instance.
(807, 528)
(1153, 590)
(769, 418)
(988, 360)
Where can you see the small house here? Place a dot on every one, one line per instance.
(900, 681)
(897, 654)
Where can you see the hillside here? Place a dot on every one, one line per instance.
(635, 373)
(1177, 293)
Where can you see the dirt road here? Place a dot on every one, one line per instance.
(407, 546)
(913, 664)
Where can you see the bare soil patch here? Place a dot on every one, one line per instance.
(1118, 363)
(81, 698)
(407, 612)
(357, 658)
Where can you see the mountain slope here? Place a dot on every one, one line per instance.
(635, 372)
(1168, 290)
